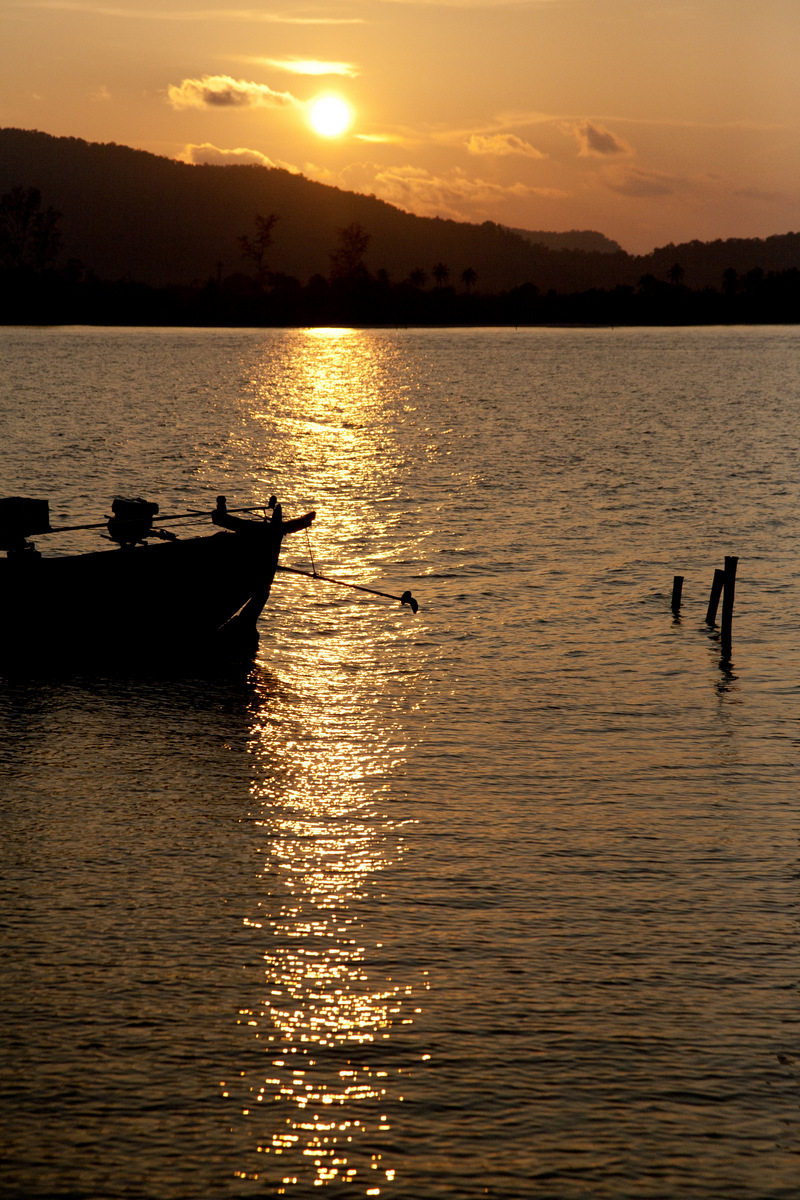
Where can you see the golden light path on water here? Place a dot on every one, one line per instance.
(332, 1004)
(314, 429)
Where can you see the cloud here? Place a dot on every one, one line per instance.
(645, 185)
(384, 139)
(502, 145)
(455, 195)
(476, 3)
(597, 142)
(306, 66)
(193, 16)
(759, 195)
(206, 154)
(708, 189)
(221, 91)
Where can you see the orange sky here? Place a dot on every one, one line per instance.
(649, 120)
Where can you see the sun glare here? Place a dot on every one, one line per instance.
(330, 116)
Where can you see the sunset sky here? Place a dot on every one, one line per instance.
(652, 121)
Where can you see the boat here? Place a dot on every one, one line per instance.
(153, 593)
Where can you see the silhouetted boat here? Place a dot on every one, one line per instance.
(167, 596)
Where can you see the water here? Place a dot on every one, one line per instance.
(498, 900)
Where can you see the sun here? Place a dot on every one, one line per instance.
(330, 116)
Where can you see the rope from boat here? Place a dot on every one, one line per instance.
(406, 597)
(310, 555)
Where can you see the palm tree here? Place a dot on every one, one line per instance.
(441, 274)
(676, 274)
(469, 278)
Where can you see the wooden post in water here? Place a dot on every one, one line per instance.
(716, 592)
(728, 592)
(677, 590)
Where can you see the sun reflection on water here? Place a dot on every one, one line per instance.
(318, 428)
(330, 1000)
(334, 1008)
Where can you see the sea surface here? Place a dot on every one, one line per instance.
(501, 899)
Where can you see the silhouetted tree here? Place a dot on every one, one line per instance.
(754, 280)
(347, 260)
(441, 273)
(730, 281)
(469, 278)
(29, 234)
(256, 248)
(418, 277)
(676, 274)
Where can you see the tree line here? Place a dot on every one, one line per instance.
(35, 287)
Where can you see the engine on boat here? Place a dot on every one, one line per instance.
(20, 518)
(132, 521)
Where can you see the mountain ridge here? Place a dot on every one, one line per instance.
(131, 214)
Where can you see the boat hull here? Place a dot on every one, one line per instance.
(169, 597)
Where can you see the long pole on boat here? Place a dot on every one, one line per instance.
(406, 597)
(197, 512)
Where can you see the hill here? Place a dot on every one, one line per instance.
(134, 218)
(128, 213)
(574, 239)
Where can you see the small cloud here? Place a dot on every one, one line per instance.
(101, 95)
(320, 174)
(643, 184)
(597, 142)
(188, 15)
(502, 145)
(455, 195)
(306, 66)
(468, 3)
(758, 194)
(221, 91)
(206, 154)
(383, 139)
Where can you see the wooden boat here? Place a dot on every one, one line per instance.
(154, 594)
